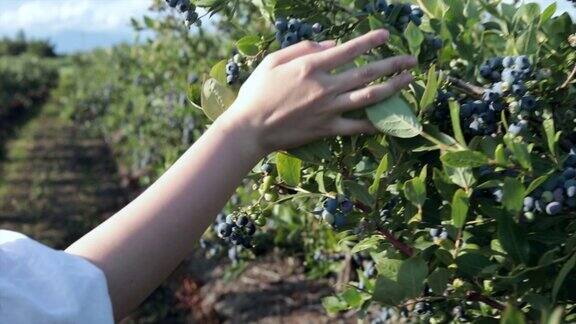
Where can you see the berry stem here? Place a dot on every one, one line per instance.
(405, 249)
(476, 296)
(569, 79)
(466, 87)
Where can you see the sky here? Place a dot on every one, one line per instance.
(76, 25)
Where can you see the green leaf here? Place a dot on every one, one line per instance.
(415, 191)
(455, 117)
(551, 138)
(566, 268)
(512, 316)
(358, 191)
(352, 297)
(367, 243)
(194, 95)
(537, 182)
(548, 13)
(519, 150)
(394, 117)
(388, 291)
(216, 98)
(333, 304)
(314, 152)
(412, 275)
(288, 168)
(513, 239)
(464, 159)
(218, 71)
(431, 89)
(382, 167)
(248, 45)
(513, 199)
(461, 176)
(460, 204)
(438, 280)
(388, 268)
(471, 264)
(414, 37)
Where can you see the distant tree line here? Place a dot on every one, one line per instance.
(21, 45)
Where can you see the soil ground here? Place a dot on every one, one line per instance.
(57, 181)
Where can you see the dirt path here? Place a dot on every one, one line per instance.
(56, 180)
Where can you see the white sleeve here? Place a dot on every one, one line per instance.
(42, 285)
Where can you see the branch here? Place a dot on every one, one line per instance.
(466, 87)
(405, 249)
(569, 78)
(476, 296)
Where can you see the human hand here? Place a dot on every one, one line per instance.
(292, 98)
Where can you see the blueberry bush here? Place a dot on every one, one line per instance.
(463, 208)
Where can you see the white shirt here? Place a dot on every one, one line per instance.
(42, 285)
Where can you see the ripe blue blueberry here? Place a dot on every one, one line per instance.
(232, 68)
(528, 203)
(569, 173)
(250, 229)
(230, 79)
(293, 25)
(553, 208)
(291, 38)
(485, 71)
(339, 220)
(510, 76)
(523, 62)
(416, 20)
(281, 25)
(267, 168)
(508, 61)
(435, 232)
(242, 221)
(558, 195)
(514, 129)
(183, 5)
(331, 204)
(224, 230)
(498, 194)
(317, 28)
(527, 102)
(346, 206)
(305, 31)
(519, 89)
(437, 43)
(328, 217)
(417, 12)
(406, 9)
(173, 3)
(571, 191)
(230, 219)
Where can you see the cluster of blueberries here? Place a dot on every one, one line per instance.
(386, 210)
(439, 233)
(237, 231)
(508, 76)
(335, 211)
(405, 13)
(232, 70)
(293, 30)
(187, 7)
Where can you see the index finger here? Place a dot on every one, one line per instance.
(340, 55)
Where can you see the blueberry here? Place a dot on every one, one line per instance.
(551, 183)
(558, 194)
(230, 79)
(435, 232)
(173, 3)
(539, 205)
(346, 206)
(285, 44)
(496, 106)
(514, 129)
(527, 102)
(230, 219)
(466, 110)
(340, 220)
(519, 89)
(369, 8)
(281, 25)
(571, 202)
(293, 25)
(437, 43)
(570, 161)
(417, 12)
(571, 191)
(422, 308)
(528, 203)
(250, 229)
(495, 63)
(328, 217)
(381, 5)
(331, 204)
(547, 196)
(291, 38)
(498, 194)
(416, 20)
(490, 96)
(242, 221)
(317, 28)
(305, 31)
(224, 230)
(232, 68)
(191, 17)
(475, 125)
(510, 76)
(183, 5)
(403, 20)
(443, 235)
(508, 61)
(267, 168)
(523, 62)
(485, 71)
(406, 9)
(569, 173)
(553, 208)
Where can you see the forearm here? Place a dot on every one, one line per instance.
(139, 246)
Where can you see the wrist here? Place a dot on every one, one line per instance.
(243, 134)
